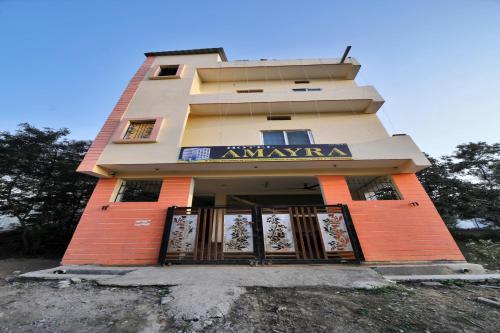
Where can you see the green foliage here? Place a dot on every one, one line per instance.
(466, 184)
(39, 185)
(483, 251)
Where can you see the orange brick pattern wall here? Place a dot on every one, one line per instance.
(112, 236)
(393, 230)
(113, 120)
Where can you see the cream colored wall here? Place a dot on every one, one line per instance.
(270, 86)
(160, 98)
(246, 130)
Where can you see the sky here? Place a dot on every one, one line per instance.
(436, 62)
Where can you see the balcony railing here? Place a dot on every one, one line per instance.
(259, 235)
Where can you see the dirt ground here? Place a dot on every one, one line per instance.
(85, 307)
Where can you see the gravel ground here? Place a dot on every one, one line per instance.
(30, 306)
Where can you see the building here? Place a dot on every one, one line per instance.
(209, 160)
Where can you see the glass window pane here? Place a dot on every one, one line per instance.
(298, 138)
(273, 138)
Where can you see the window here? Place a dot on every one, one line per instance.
(249, 91)
(372, 188)
(138, 130)
(139, 191)
(301, 82)
(306, 89)
(292, 137)
(279, 117)
(167, 72)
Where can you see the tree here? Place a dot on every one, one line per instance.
(478, 165)
(466, 184)
(39, 185)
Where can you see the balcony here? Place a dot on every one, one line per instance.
(280, 70)
(363, 99)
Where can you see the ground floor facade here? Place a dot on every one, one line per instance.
(404, 228)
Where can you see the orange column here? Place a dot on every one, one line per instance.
(124, 233)
(394, 230)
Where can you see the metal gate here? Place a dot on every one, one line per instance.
(259, 235)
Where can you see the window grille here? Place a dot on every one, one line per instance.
(139, 130)
(372, 188)
(139, 191)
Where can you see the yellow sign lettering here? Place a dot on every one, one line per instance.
(293, 152)
(230, 152)
(314, 151)
(249, 153)
(338, 151)
(277, 152)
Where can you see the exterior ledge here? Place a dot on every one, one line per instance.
(280, 70)
(364, 99)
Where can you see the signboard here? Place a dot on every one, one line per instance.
(265, 153)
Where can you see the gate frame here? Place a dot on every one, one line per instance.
(258, 239)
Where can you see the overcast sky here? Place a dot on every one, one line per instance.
(437, 63)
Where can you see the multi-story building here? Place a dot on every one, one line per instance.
(263, 160)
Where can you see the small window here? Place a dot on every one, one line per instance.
(302, 82)
(249, 91)
(139, 130)
(306, 89)
(293, 137)
(167, 72)
(139, 191)
(279, 117)
(372, 188)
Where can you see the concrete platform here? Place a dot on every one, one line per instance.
(238, 276)
(444, 277)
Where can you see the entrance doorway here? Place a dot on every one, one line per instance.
(258, 191)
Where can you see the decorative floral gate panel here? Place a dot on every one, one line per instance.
(238, 234)
(278, 233)
(182, 234)
(334, 232)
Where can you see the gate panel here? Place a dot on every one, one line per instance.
(209, 235)
(277, 234)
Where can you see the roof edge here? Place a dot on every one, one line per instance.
(218, 50)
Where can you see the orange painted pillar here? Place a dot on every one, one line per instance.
(124, 233)
(394, 230)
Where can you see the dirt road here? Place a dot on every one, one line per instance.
(85, 307)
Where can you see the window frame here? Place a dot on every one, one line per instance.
(157, 69)
(122, 183)
(119, 134)
(393, 185)
(308, 131)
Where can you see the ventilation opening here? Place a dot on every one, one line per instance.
(249, 91)
(302, 82)
(279, 117)
(306, 89)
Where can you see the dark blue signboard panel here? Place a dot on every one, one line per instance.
(265, 153)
